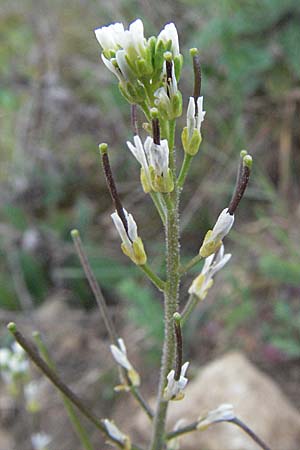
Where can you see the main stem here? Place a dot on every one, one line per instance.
(170, 305)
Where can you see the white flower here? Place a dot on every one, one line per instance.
(113, 38)
(134, 38)
(139, 153)
(223, 413)
(40, 441)
(113, 67)
(212, 265)
(110, 37)
(169, 33)
(158, 156)
(194, 121)
(32, 396)
(120, 355)
(174, 388)
(213, 238)
(223, 225)
(117, 435)
(165, 94)
(13, 362)
(132, 244)
(5, 355)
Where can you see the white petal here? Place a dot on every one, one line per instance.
(200, 113)
(168, 33)
(112, 67)
(223, 225)
(114, 431)
(191, 109)
(207, 263)
(122, 63)
(148, 146)
(139, 153)
(40, 441)
(121, 230)
(5, 355)
(218, 266)
(132, 228)
(222, 413)
(120, 357)
(110, 37)
(184, 369)
(122, 346)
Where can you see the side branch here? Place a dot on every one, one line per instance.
(59, 384)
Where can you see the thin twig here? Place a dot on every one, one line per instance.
(111, 185)
(59, 384)
(94, 285)
(194, 427)
(250, 433)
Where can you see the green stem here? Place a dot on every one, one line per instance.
(80, 431)
(184, 170)
(171, 306)
(189, 307)
(190, 264)
(158, 282)
(171, 142)
(156, 198)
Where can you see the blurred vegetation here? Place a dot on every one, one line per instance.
(57, 101)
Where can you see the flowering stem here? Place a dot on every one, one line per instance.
(80, 431)
(188, 308)
(190, 264)
(184, 170)
(160, 208)
(170, 307)
(156, 280)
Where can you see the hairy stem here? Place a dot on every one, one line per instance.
(171, 305)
